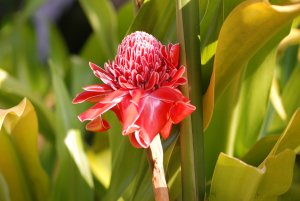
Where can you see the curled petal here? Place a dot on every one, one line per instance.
(93, 93)
(104, 105)
(96, 111)
(167, 94)
(89, 96)
(103, 88)
(97, 125)
(153, 116)
(179, 73)
(133, 141)
(129, 114)
(142, 138)
(180, 81)
(180, 110)
(165, 132)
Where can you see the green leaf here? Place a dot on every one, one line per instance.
(102, 18)
(19, 133)
(234, 180)
(275, 181)
(213, 13)
(260, 150)
(11, 170)
(69, 184)
(290, 101)
(290, 139)
(125, 18)
(14, 89)
(240, 70)
(253, 100)
(4, 191)
(65, 110)
(293, 193)
(75, 147)
(100, 162)
(125, 160)
(248, 183)
(248, 38)
(58, 52)
(93, 51)
(155, 17)
(268, 181)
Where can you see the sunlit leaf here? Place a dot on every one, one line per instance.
(14, 89)
(75, 146)
(4, 191)
(69, 177)
(19, 132)
(268, 181)
(290, 139)
(239, 57)
(245, 182)
(100, 163)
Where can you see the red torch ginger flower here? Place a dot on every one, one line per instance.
(140, 87)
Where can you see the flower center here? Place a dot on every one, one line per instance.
(140, 63)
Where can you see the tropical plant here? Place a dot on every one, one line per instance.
(241, 143)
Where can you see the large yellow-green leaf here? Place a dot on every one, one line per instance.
(235, 180)
(267, 182)
(10, 167)
(21, 167)
(244, 54)
(212, 15)
(293, 193)
(14, 90)
(4, 192)
(275, 181)
(290, 139)
(249, 26)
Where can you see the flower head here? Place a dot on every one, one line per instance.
(140, 87)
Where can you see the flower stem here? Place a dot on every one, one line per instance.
(191, 137)
(155, 158)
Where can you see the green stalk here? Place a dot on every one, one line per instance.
(192, 139)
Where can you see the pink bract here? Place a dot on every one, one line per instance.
(140, 86)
